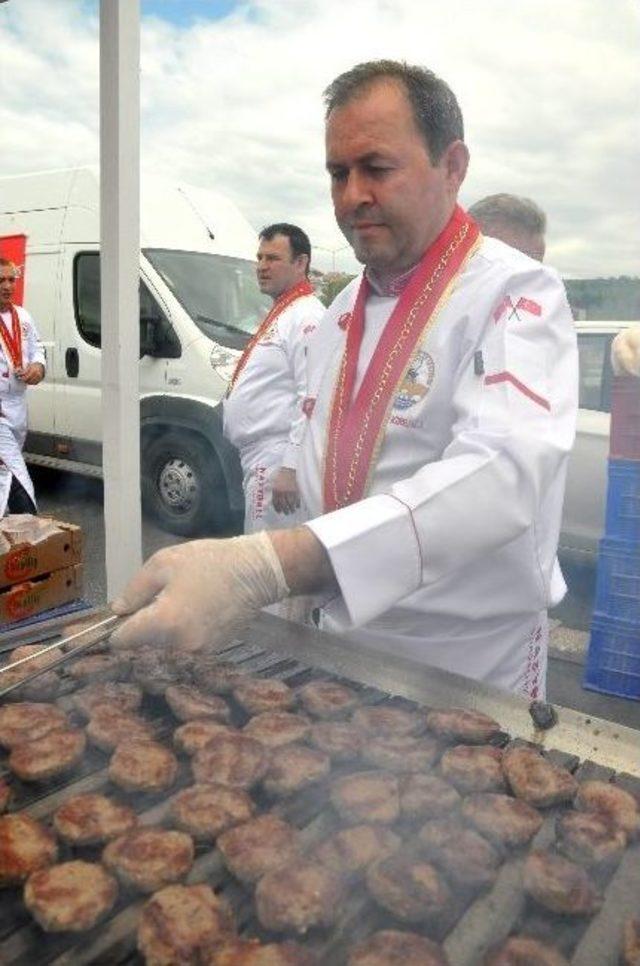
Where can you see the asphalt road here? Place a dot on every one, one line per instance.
(77, 499)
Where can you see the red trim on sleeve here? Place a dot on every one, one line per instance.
(529, 393)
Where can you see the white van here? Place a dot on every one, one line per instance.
(199, 302)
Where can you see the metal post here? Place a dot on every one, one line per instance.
(120, 268)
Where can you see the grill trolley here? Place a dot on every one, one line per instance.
(590, 747)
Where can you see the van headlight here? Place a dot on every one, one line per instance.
(223, 361)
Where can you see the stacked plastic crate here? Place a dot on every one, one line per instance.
(613, 663)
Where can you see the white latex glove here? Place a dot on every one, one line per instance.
(200, 594)
(625, 352)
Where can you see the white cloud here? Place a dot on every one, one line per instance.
(549, 91)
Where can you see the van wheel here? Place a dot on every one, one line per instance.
(183, 485)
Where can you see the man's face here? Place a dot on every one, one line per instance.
(277, 269)
(390, 200)
(7, 285)
(531, 243)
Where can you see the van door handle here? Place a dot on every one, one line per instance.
(72, 362)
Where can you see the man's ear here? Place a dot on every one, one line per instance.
(456, 161)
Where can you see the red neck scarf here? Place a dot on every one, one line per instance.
(12, 341)
(357, 425)
(281, 303)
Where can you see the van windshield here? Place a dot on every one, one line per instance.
(219, 293)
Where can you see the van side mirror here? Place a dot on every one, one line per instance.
(157, 338)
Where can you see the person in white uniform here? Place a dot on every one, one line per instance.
(516, 221)
(21, 365)
(442, 403)
(263, 415)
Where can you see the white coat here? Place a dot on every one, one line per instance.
(11, 464)
(13, 400)
(263, 415)
(451, 557)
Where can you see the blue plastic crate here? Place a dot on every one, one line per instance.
(613, 661)
(618, 580)
(623, 501)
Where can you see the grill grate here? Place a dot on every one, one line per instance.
(486, 920)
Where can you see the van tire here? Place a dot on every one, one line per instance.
(183, 485)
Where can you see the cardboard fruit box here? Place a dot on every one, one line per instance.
(62, 548)
(47, 590)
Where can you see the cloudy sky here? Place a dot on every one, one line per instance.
(231, 99)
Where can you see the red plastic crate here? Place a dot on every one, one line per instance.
(624, 439)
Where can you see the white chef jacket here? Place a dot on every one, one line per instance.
(451, 557)
(13, 401)
(263, 415)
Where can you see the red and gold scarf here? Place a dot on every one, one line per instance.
(281, 303)
(12, 341)
(357, 425)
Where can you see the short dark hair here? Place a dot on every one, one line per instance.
(436, 111)
(508, 209)
(298, 239)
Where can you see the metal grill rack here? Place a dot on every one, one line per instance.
(591, 748)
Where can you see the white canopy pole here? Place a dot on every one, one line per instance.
(120, 268)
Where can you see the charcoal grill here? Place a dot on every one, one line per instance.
(590, 747)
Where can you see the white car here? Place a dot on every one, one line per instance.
(585, 497)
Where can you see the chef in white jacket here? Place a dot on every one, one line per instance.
(22, 359)
(441, 411)
(263, 415)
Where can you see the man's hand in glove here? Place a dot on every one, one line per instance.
(625, 352)
(200, 594)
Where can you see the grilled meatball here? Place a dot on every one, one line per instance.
(560, 885)
(89, 819)
(298, 896)
(390, 947)
(614, 803)
(180, 924)
(258, 846)
(257, 695)
(44, 687)
(277, 728)
(70, 897)
(459, 725)
(233, 759)
(5, 794)
(108, 726)
(589, 838)
(349, 852)
(502, 819)
(221, 678)
(97, 668)
(293, 768)
(367, 796)
(525, 951)
(465, 857)
(188, 703)
(204, 811)
(630, 953)
(474, 768)
(427, 796)
(193, 736)
(386, 720)
(327, 699)
(535, 779)
(145, 766)
(115, 694)
(341, 740)
(25, 847)
(55, 753)
(401, 753)
(251, 952)
(153, 670)
(409, 887)
(28, 721)
(149, 858)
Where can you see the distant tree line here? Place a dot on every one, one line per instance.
(604, 298)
